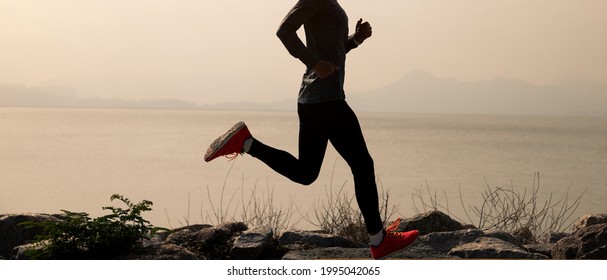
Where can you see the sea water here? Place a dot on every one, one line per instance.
(75, 159)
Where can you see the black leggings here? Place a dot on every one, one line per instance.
(318, 124)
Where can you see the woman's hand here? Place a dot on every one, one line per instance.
(363, 31)
(324, 69)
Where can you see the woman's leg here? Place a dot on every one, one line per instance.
(312, 146)
(347, 138)
(333, 121)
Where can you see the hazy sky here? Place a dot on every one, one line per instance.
(226, 50)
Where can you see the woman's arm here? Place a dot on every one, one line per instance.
(362, 32)
(287, 32)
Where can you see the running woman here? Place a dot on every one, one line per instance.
(324, 116)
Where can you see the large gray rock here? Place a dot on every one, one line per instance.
(493, 248)
(298, 240)
(431, 246)
(434, 221)
(504, 236)
(207, 242)
(234, 227)
(524, 235)
(255, 243)
(418, 253)
(552, 237)
(599, 253)
(157, 238)
(589, 220)
(211, 236)
(164, 251)
(362, 253)
(586, 243)
(180, 235)
(13, 234)
(544, 249)
(566, 249)
(328, 253)
(204, 234)
(193, 228)
(443, 242)
(215, 242)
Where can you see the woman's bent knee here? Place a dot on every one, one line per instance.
(306, 181)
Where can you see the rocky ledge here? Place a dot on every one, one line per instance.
(440, 238)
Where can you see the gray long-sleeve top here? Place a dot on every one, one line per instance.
(326, 29)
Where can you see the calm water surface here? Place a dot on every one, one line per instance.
(75, 159)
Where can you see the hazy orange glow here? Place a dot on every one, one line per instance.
(214, 51)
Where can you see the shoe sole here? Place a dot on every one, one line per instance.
(221, 141)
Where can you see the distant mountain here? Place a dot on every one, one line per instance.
(418, 92)
(421, 92)
(20, 96)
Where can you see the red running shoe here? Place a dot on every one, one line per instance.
(393, 242)
(228, 144)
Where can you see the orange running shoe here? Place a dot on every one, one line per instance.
(229, 144)
(393, 242)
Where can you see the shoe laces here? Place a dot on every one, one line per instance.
(232, 156)
(394, 226)
(396, 234)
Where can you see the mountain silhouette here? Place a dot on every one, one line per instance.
(417, 92)
(420, 92)
(22, 96)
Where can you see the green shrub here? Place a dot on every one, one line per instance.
(77, 236)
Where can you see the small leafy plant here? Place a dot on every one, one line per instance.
(77, 236)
